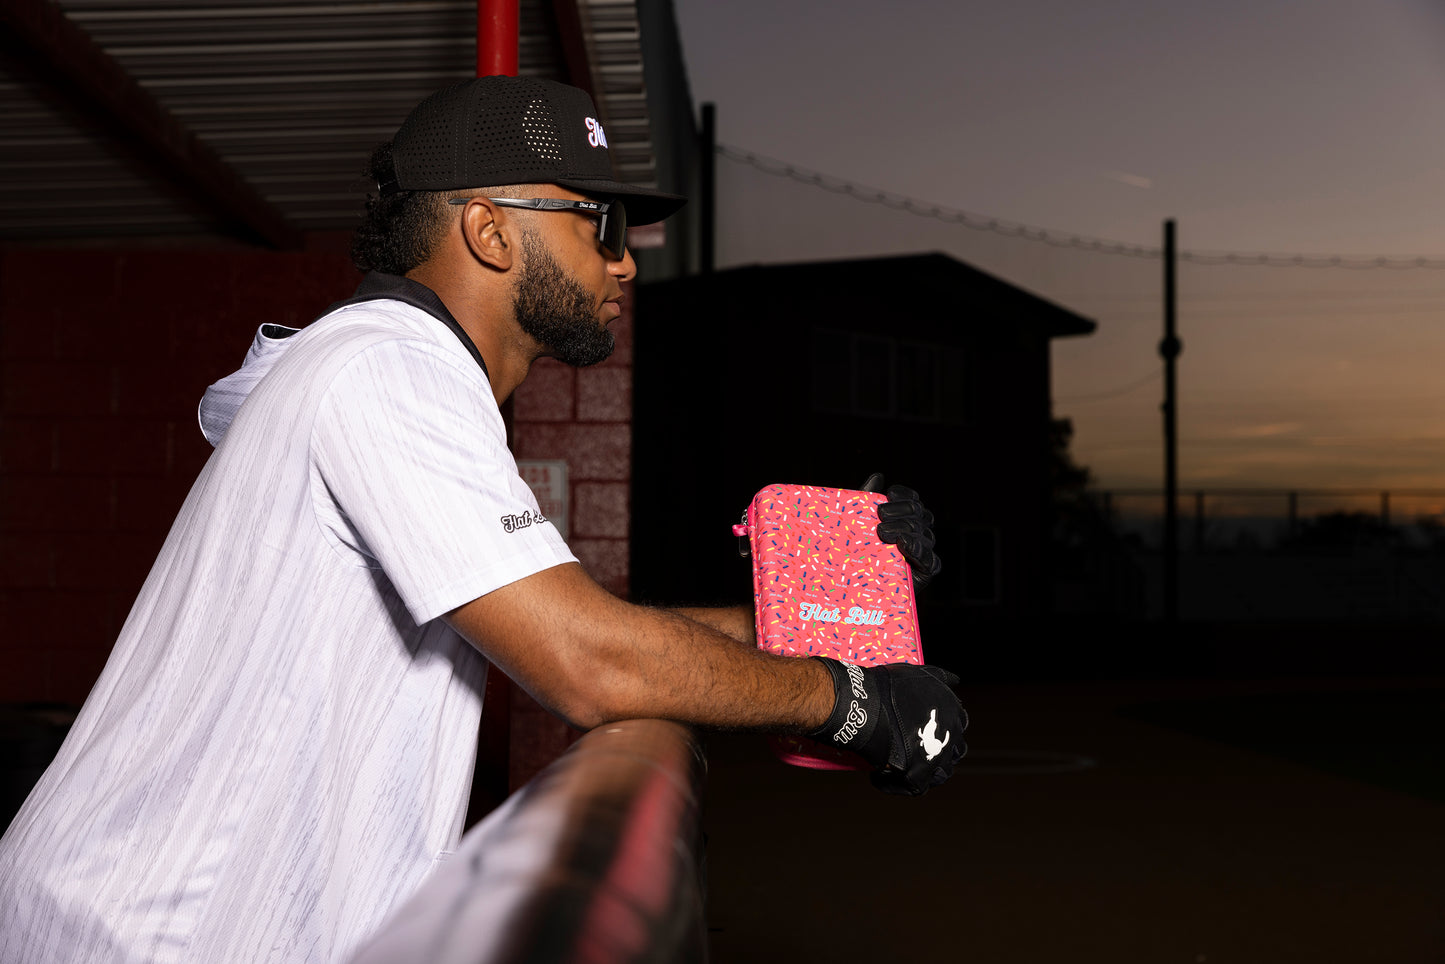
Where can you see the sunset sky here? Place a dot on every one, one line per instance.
(1264, 126)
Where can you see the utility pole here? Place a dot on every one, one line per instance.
(708, 149)
(1169, 349)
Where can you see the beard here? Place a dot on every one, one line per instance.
(557, 310)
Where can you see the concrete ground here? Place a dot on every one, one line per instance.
(1075, 832)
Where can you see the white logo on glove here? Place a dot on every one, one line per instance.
(929, 736)
(857, 717)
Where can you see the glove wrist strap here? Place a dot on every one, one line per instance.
(857, 713)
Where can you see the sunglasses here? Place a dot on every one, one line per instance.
(611, 216)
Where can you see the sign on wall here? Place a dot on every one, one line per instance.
(547, 479)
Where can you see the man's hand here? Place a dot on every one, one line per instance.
(904, 522)
(903, 719)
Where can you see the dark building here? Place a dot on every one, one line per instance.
(920, 367)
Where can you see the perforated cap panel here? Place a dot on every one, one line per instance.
(540, 130)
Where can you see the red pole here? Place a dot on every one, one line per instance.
(497, 37)
(497, 33)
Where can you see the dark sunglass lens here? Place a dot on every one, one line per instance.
(614, 232)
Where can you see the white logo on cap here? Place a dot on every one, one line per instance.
(595, 137)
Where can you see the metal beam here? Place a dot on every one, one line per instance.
(80, 72)
(572, 35)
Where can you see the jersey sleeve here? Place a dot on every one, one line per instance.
(412, 452)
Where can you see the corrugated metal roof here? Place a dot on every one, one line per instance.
(292, 97)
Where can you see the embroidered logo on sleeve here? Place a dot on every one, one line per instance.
(511, 523)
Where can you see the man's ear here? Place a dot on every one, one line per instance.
(490, 235)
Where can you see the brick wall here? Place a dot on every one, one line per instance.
(103, 358)
(585, 417)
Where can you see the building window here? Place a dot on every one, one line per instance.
(882, 377)
(830, 376)
(954, 391)
(872, 375)
(918, 376)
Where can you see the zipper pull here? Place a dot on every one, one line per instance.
(741, 531)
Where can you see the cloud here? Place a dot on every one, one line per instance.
(1267, 430)
(1133, 180)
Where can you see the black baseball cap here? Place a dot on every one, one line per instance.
(513, 130)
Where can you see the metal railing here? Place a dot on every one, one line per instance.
(597, 859)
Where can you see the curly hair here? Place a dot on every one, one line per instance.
(400, 230)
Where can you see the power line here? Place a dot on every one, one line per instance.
(1059, 239)
(1113, 392)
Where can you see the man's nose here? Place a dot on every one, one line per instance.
(625, 269)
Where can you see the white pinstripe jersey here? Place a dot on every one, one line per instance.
(282, 741)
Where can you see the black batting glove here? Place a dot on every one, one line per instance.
(904, 522)
(903, 720)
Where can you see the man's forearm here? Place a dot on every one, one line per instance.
(734, 621)
(593, 658)
(716, 680)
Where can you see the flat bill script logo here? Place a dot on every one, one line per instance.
(857, 615)
(511, 523)
(595, 136)
(857, 716)
(928, 736)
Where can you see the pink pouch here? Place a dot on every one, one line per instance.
(825, 585)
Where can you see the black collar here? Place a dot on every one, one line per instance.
(378, 285)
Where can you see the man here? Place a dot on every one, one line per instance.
(280, 747)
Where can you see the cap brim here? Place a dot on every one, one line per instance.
(644, 204)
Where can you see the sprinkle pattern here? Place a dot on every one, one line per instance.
(823, 583)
